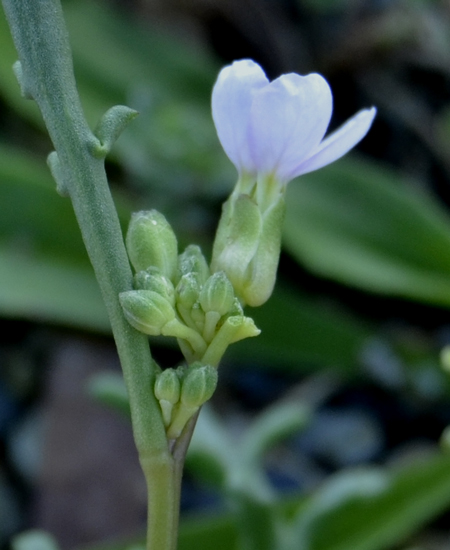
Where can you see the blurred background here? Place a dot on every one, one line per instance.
(355, 328)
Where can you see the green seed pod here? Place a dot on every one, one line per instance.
(217, 294)
(153, 279)
(146, 310)
(151, 242)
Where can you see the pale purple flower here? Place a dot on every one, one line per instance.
(276, 128)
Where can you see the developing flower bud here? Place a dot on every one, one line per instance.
(217, 294)
(193, 261)
(197, 387)
(152, 279)
(146, 310)
(151, 242)
(167, 391)
(187, 290)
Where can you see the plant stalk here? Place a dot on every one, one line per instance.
(46, 75)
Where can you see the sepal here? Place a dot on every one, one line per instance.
(237, 240)
(261, 275)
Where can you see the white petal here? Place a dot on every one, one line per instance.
(231, 101)
(338, 143)
(289, 117)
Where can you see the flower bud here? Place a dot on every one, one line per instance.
(198, 385)
(168, 386)
(217, 294)
(152, 279)
(146, 310)
(151, 242)
(167, 391)
(187, 290)
(193, 261)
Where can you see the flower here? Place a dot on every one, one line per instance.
(276, 129)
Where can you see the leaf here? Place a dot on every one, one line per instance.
(49, 290)
(362, 226)
(414, 495)
(44, 270)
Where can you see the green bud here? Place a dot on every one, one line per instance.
(167, 391)
(187, 290)
(217, 294)
(151, 242)
(152, 279)
(198, 385)
(186, 295)
(146, 310)
(168, 386)
(193, 261)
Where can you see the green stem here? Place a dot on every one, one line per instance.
(163, 485)
(46, 75)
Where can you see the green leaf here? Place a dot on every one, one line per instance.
(363, 226)
(413, 495)
(45, 289)
(44, 270)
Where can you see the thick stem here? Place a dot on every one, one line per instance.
(163, 485)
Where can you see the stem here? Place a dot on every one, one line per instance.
(46, 75)
(164, 486)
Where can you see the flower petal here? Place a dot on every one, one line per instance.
(289, 117)
(338, 143)
(231, 102)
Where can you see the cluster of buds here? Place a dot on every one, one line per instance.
(181, 392)
(272, 132)
(177, 295)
